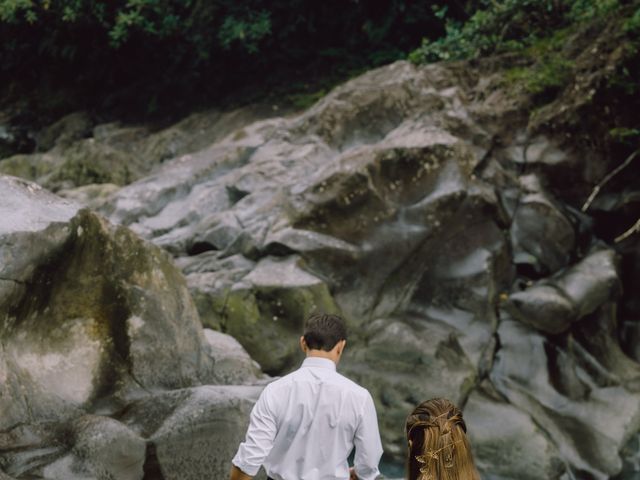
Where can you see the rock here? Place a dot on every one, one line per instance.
(78, 154)
(14, 138)
(103, 448)
(108, 305)
(233, 365)
(194, 433)
(29, 167)
(507, 443)
(631, 458)
(26, 448)
(82, 163)
(94, 321)
(65, 131)
(553, 305)
(599, 337)
(198, 131)
(564, 391)
(343, 208)
(592, 282)
(31, 234)
(545, 307)
(91, 196)
(403, 363)
(541, 235)
(266, 310)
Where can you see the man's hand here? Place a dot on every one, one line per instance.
(352, 474)
(237, 474)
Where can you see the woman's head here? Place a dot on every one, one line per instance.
(437, 443)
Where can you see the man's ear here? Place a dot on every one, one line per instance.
(341, 344)
(303, 344)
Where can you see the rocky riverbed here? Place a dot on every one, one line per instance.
(449, 226)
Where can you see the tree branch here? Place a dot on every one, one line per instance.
(628, 233)
(606, 180)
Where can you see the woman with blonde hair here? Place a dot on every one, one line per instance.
(437, 443)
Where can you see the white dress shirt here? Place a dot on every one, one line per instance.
(305, 424)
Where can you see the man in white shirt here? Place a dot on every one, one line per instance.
(305, 424)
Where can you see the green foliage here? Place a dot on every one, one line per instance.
(140, 53)
(544, 78)
(305, 100)
(550, 71)
(588, 9)
(11, 10)
(632, 24)
(248, 31)
(625, 135)
(509, 25)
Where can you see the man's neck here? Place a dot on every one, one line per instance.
(322, 354)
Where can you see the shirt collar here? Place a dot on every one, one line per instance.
(319, 362)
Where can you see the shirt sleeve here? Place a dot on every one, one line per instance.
(367, 443)
(260, 435)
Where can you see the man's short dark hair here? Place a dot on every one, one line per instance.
(323, 331)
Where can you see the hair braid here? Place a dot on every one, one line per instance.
(438, 448)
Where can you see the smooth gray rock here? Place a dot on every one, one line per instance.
(233, 365)
(26, 448)
(193, 433)
(545, 307)
(90, 196)
(104, 311)
(63, 132)
(541, 235)
(4, 476)
(554, 304)
(499, 432)
(566, 394)
(97, 319)
(77, 153)
(266, 310)
(34, 230)
(103, 449)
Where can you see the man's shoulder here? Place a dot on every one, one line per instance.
(278, 382)
(285, 381)
(352, 386)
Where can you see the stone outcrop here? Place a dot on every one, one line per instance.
(103, 360)
(389, 202)
(461, 272)
(76, 150)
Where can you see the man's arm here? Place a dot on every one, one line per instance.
(367, 443)
(237, 474)
(258, 441)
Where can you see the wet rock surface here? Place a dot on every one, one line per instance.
(459, 272)
(95, 319)
(77, 150)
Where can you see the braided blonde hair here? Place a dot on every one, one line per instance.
(437, 443)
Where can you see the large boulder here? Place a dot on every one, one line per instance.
(193, 433)
(553, 304)
(572, 392)
(500, 432)
(95, 319)
(102, 448)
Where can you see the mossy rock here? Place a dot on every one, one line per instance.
(29, 167)
(267, 321)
